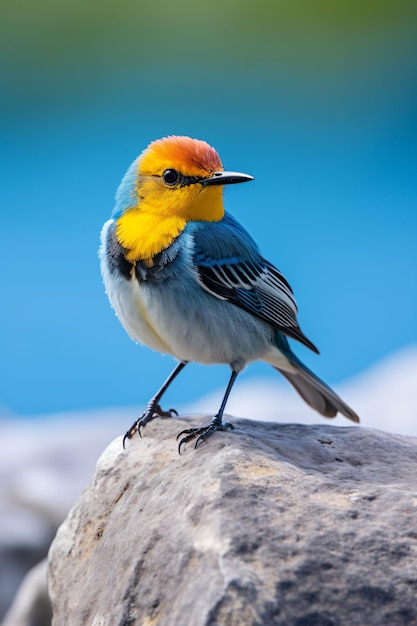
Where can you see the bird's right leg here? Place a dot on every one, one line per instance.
(200, 434)
(153, 408)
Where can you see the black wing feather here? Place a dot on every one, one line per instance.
(258, 288)
(230, 267)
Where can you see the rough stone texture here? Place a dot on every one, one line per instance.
(31, 606)
(271, 524)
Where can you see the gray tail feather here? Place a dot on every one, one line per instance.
(316, 393)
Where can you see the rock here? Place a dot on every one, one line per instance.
(45, 462)
(18, 558)
(31, 606)
(269, 524)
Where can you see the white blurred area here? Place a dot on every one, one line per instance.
(46, 462)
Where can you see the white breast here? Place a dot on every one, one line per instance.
(130, 302)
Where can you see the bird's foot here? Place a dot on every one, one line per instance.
(152, 410)
(200, 434)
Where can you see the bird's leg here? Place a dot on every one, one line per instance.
(215, 424)
(152, 408)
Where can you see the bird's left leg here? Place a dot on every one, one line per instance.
(215, 424)
(152, 408)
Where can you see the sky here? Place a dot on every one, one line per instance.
(319, 106)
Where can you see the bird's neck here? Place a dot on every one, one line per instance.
(145, 234)
(151, 226)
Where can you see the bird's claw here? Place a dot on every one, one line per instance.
(151, 412)
(158, 412)
(200, 434)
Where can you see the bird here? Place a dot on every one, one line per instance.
(186, 279)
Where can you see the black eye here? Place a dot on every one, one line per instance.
(171, 177)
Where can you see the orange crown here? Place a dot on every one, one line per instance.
(189, 156)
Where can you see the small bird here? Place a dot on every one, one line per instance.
(186, 279)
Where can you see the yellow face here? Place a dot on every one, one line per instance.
(189, 202)
(170, 195)
(189, 159)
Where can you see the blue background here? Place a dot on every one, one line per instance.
(318, 103)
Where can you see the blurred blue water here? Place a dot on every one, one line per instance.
(334, 206)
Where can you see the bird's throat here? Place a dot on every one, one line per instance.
(161, 215)
(145, 234)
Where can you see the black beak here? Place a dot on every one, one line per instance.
(226, 178)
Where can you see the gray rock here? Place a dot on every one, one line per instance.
(31, 606)
(18, 558)
(44, 465)
(270, 524)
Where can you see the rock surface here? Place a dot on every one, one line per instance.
(269, 524)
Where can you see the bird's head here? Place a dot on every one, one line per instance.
(174, 181)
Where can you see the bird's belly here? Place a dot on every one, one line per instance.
(180, 319)
(131, 304)
(198, 327)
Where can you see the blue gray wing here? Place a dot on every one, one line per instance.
(230, 267)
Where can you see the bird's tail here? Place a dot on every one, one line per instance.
(315, 392)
